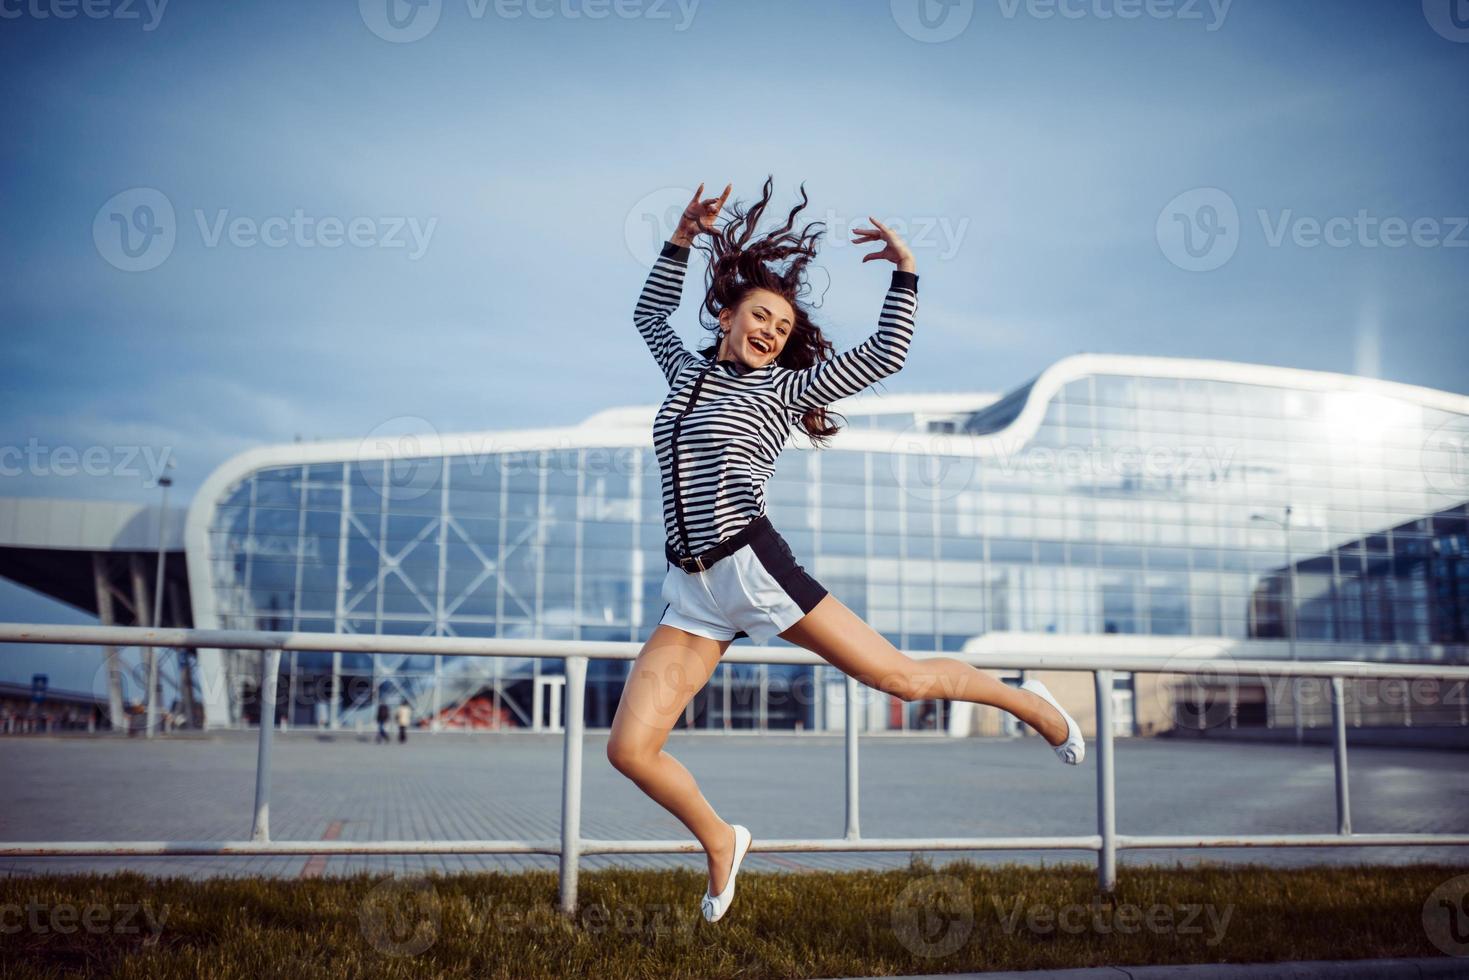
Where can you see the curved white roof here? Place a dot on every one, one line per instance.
(936, 403)
(87, 525)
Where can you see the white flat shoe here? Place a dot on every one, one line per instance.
(1073, 750)
(714, 907)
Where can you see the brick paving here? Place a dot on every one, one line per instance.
(457, 786)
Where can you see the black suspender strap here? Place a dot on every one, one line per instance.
(683, 530)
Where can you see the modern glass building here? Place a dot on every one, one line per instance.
(1282, 511)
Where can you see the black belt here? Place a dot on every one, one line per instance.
(733, 543)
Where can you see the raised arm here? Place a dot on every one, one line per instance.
(877, 357)
(664, 285)
(657, 302)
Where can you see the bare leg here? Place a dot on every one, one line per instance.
(671, 668)
(840, 637)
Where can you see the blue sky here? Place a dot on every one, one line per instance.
(503, 176)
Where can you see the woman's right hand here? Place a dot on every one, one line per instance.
(699, 216)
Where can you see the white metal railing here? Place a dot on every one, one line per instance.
(1106, 842)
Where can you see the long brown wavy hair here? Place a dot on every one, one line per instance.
(737, 264)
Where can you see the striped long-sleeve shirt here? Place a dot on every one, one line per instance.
(723, 424)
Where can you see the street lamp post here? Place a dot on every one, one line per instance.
(151, 718)
(1290, 628)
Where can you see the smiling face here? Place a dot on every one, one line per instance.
(757, 329)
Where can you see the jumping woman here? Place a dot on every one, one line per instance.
(727, 415)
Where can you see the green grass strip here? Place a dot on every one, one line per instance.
(925, 918)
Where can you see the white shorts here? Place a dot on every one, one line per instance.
(756, 591)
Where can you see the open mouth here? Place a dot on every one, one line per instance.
(759, 345)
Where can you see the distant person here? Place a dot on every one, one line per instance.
(405, 715)
(382, 723)
(766, 370)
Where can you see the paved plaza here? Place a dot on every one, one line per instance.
(488, 786)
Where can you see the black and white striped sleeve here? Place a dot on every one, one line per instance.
(657, 302)
(875, 358)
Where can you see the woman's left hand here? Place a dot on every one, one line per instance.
(894, 249)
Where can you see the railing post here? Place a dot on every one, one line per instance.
(853, 788)
(1106, 797)
(576, 683)
(150, 718)
(1339, 724)
(270, 665)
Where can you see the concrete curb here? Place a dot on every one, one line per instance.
(1437, 968)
